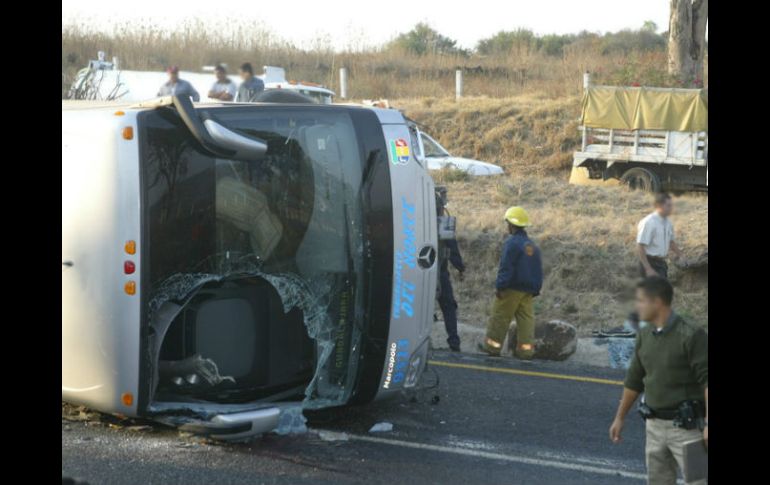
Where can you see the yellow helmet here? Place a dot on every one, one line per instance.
(517, 216)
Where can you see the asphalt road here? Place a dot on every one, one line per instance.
(497, 421)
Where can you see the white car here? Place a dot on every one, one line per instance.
(437, 158)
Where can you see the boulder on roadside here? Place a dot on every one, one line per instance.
(554, 340)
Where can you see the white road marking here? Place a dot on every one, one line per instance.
(497, 456)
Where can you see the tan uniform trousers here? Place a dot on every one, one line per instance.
(663, 451)
(518, 305)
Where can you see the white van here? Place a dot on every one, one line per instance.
(224, 265)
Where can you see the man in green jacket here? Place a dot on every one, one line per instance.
(670, 365)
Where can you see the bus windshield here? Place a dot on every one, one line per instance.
(293, 218)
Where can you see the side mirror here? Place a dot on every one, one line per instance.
(245, 148)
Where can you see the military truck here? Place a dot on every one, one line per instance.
(646, 138)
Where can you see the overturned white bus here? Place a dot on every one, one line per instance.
(227, 265)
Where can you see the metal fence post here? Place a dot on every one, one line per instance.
(458, 84)
(343, 82)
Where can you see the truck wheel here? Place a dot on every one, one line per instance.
(641, 179)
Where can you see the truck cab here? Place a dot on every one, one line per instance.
(226, 266)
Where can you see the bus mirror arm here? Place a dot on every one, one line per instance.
(215, 138)
(246, 148)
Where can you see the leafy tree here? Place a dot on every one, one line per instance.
(523, 40)
(649, 26)
(627, 41)
(503, 42)
(423, 39)
(553, 44)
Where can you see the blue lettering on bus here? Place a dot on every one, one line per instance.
(403, 291)
(402, 360)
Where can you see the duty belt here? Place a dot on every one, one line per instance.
(666, 414)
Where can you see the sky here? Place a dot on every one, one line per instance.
(346, 23)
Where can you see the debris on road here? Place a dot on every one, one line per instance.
(332, 435)
(381, 428)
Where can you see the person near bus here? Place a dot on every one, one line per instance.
(670, 366)
(519, 280)
(177, 87)
(224, 87)
(251, 86)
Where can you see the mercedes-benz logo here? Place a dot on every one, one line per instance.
(427, 257)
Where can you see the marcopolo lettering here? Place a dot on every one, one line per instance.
(398, 361)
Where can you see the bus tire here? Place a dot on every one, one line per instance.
(638, 178)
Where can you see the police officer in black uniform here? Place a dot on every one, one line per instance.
(446, 298)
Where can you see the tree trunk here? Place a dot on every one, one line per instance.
(687, 41)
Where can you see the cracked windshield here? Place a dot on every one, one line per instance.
(286, 228)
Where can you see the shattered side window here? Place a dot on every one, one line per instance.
(293, 219)
(432, 149)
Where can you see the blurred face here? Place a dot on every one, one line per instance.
(221, 76)
(173, 77)
(245, 75)
(648, 308)
(666, 208)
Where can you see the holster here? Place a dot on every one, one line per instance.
(644, 410)
(690, 415)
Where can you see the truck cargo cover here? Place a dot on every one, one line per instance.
(640, 108)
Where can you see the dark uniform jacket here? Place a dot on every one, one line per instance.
(670, 365)
(521, 268)
(454, 256)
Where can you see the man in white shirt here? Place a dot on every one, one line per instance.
(655, 238)
(224, 89)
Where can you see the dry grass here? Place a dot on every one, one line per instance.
(587, 237)
(374, 71)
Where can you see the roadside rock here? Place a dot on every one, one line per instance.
(554, 340)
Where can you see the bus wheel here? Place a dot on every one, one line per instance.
(641, 179)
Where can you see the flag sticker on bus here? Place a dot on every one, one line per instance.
(399, 151)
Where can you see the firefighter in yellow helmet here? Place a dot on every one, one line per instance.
(519, 280)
